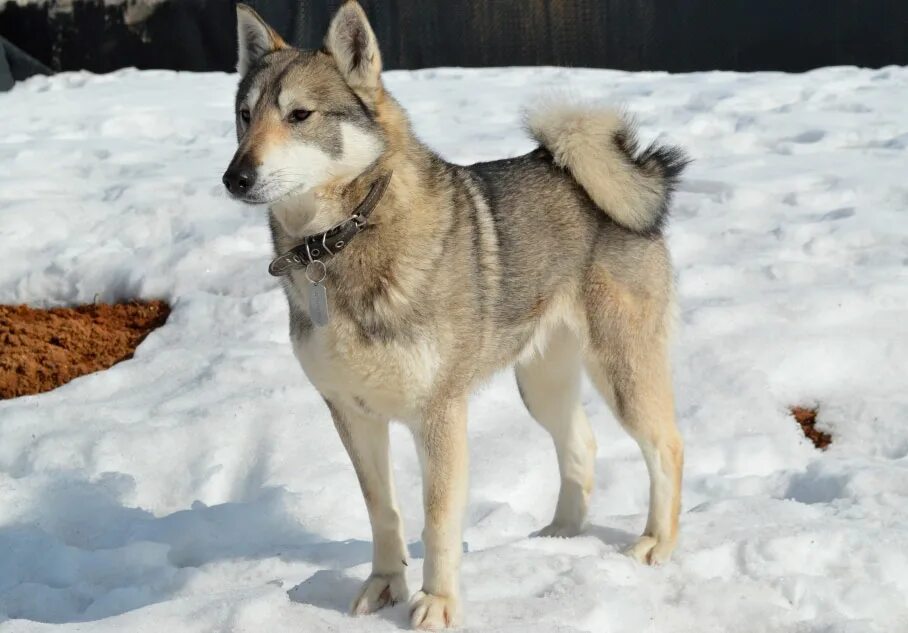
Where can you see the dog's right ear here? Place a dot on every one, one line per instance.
(256, 39)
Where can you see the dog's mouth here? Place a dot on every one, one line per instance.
(249, 199)
(268, 195)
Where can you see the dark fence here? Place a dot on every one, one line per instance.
(673, 35)
(176, 34)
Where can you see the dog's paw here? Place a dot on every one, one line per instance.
(650, 550)
(379, 590)
(558, 530)
(429, 612)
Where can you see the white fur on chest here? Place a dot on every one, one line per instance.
(390, 379)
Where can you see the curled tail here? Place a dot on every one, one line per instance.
(599, 147)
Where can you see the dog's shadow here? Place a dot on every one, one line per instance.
(327, 589)
(619, 539)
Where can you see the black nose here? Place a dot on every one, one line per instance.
(239, 180)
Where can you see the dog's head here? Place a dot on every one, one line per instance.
(304, 119)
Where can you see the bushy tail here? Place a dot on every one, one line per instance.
(599, 147)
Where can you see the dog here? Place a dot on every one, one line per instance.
(410, 280)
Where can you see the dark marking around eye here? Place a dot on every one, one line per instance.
(245, 115)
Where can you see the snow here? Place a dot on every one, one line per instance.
(201, 487)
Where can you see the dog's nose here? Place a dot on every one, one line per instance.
(239, 181)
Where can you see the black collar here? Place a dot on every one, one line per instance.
(321, 246)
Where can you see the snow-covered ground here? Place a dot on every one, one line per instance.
(201, 485)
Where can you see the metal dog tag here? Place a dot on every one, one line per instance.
(318, 304)
(318, 295)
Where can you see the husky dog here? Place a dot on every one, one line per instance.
(410, 280)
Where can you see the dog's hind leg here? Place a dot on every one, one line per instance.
(549, 384)
(628, 362)
(366, 441)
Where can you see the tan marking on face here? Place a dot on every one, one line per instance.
(266, 135)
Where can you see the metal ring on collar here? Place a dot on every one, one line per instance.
(311, 268)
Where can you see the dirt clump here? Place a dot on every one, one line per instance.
(807, 418)
(43, 349)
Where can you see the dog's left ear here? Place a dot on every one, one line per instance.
(256, 39)
(352, 43)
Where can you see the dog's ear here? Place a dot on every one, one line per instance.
(256, 39)
(352, 43)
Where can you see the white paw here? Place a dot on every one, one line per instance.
(558, 530)
(379, 590)
(650, 550)
(429, 612)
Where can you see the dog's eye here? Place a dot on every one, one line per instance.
(245, 115)
(299, 115)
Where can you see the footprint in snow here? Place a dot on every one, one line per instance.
(810, 136)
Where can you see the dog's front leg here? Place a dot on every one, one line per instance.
(366, 441)
(442, 444)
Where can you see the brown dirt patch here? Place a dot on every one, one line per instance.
(43, 349)
(807, 418)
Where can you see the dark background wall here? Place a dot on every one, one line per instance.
(673, 35)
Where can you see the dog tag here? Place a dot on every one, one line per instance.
(318, 294)
(318, 304)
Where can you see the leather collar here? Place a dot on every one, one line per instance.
(322, 246)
